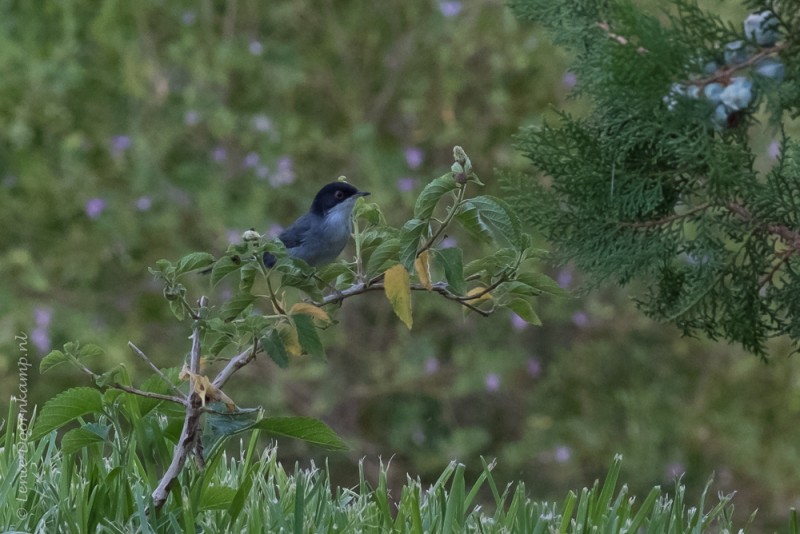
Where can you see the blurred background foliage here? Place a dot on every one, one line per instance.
(133, 131)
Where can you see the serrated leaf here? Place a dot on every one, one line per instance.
(307, 308)
(423, 268)
(369, 211)
(307, 335)
(90, 350)
(54, 358)
(431, 194)
(78, 438)
(524, 309)
(193, 261)
(397, 286)
(223, 267)
(409, 241)
(234, 307)
(177, 309)
(450, 260)
(272, 344)
(491, 218)
(386, 252)
(247, 277)
(221, 425)
(114, 375)
(65, 407)
(304, 428)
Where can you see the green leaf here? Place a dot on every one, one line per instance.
(216, 498)
(397, 286)
(56, 357)
(223, 267)
(369, 211)
(78, 438)
(193, 261)
(115, 375)
(383, 256)
(222, 425)
(431, 194)
(490, 218)
(524, 309)
(90, 350)
(543, 283)
(274, 347)
(304, 428)
(248, 276)
(409, 241)
(66, 407)
(165, 267)
(451, 261)
(231, 309)
(308, 336)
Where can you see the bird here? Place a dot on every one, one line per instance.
(319, 236)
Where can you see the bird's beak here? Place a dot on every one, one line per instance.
(363, 194)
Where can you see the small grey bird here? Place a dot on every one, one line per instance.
(320, 235)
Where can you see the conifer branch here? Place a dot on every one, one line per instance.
(670, 219)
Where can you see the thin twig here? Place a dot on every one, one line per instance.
(155, 369)
(148, 394)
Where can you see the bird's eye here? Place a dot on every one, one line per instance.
(339, 195)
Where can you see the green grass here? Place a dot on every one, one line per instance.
(105, 487)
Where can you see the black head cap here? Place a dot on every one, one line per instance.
(333, 194)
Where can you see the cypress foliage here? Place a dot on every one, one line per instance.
(656, 183)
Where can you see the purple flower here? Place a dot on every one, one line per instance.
(9, 181)
(143, 203)
(580, 319)
(262, 123)
(406, 184)
(517, 322)
(562, 454)
(251, 160)
(262, 171)
(774, 150)
(414, 157)
(564, 277)
(492, 382)
(450, 8)
(191, 117)
(42, 315)
(256, 48)
(188, 17)
(285, 173)
(119, 144)
(41, 339)
(219, 154)
(569, 80)
(534, 367)
(431, 365)
(94, 207)
(448, 242)
(233, 236)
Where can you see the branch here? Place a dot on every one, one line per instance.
(790, 237)
(154, 368)
(190, 434)
(236, 363)
(438, 287)
(148, 394)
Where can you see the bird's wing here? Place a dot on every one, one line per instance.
(295, 234)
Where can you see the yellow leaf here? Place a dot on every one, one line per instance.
(397, 286)
(423, 269)
(480, 295)
(205, 389)
(309, 309)
(290, 339)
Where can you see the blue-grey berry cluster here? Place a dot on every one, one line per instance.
(726, 94)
